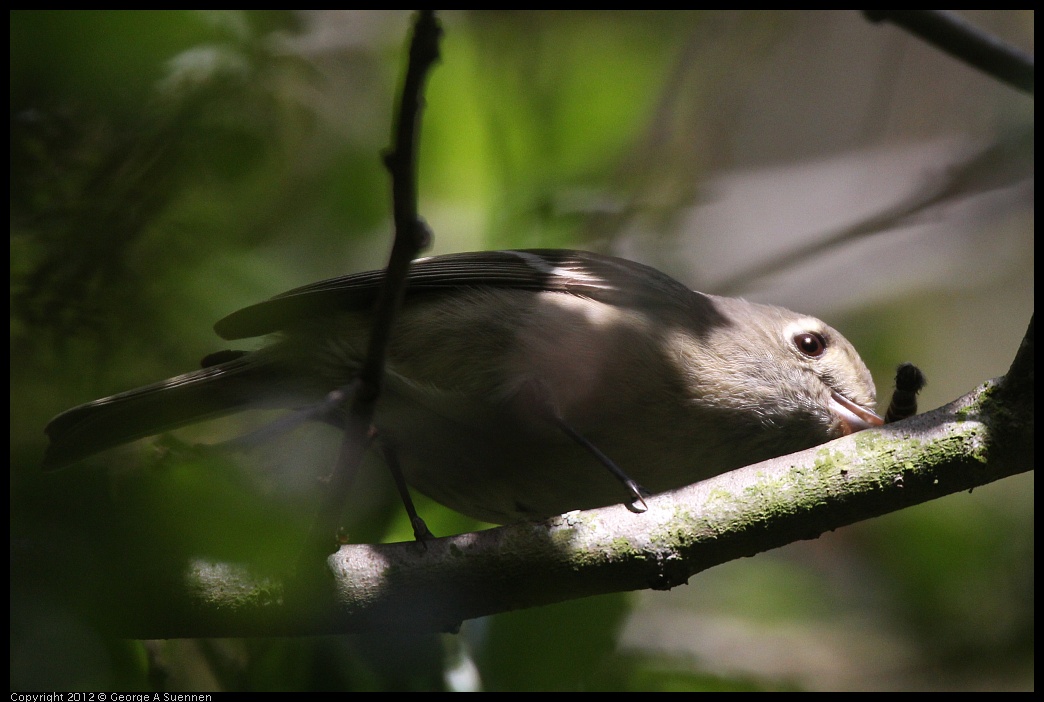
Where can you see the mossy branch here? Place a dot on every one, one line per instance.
(979, 438)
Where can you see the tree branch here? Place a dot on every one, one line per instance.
(979, 438)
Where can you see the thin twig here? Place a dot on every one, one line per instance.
(411, 235)
(963, 40)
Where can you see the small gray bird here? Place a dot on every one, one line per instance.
(513, 377)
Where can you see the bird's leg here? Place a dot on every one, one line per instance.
(638, 493)
(539, 393)
(391, 459)
(330, 411)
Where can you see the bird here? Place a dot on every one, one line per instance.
(513, 379)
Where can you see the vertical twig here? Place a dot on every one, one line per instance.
(411, 235)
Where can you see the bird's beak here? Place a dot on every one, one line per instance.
(853, 417)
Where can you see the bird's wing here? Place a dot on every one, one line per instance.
(603, 278)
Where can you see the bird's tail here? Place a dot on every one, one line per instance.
(248, 381)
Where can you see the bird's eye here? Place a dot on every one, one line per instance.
(811, 344)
